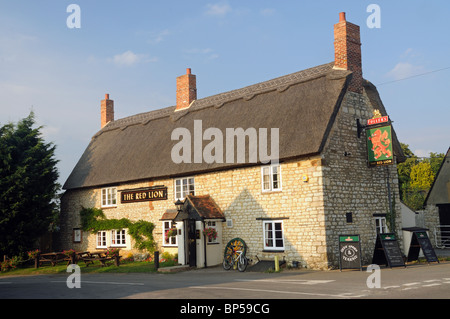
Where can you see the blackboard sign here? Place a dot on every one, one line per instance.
(419, 240)
(349, 252)
(387, 251)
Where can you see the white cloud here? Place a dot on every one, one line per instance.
(422, 153)
(207, 52)
(128, 58)
(157, 37)
(218, 9)
(404, 70)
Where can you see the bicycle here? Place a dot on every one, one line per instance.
(237, 256)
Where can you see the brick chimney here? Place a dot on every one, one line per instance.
(107, 110)
(347, 51)
(186, 90)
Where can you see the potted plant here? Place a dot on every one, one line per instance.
(114, 253)
(34, 254)
(70, 254)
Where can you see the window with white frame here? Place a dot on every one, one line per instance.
(169, 240)
(380, 224)
(213, 225)
(271, 178)
(118, 238)
(273, 235)
(109, 197)
(183, 187)
(101, 239)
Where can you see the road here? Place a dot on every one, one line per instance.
(414, 282)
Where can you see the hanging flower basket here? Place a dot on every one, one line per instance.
(171, 233)
(211, 233)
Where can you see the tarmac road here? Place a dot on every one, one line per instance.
(413, 282)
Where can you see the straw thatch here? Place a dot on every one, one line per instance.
(303, 105)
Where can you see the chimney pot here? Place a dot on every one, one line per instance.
(106, 110)
(342, 16)
(186, 90)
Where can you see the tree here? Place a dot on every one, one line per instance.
(416, 175)
(421, 176)
(28, 186)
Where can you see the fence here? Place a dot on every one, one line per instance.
(442, 236)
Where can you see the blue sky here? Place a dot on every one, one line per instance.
(134, 50)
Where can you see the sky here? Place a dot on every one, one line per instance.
(134, 50)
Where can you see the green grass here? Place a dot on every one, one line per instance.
(125, 267)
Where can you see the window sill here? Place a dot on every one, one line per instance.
(272, 192)
(108, 207)
(272, 251)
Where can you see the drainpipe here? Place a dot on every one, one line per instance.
(204, 240)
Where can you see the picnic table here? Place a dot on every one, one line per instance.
(53, 258)
(90, 257)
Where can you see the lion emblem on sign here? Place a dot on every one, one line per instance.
(380, 143)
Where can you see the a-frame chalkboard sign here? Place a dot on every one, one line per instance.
(420, 240)
(387, 251)
(349, 252)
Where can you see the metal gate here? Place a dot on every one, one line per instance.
(442, 236)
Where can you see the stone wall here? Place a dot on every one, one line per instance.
(350, 186)
(313, 209)
(238, 193)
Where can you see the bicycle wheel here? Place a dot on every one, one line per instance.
(242, 263)
(226, 264)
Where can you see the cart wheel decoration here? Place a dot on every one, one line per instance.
(234, 245)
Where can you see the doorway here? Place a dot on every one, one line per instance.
(192, 243)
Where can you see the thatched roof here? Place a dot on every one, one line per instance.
(303, 105)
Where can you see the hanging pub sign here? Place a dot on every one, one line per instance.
(387, 251)
(349, 252)
(379, 140)
(420, 240)
(143, 195)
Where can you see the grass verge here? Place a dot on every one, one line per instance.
(126, 267)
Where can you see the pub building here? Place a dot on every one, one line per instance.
(323, 183)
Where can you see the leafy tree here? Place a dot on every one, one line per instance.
(416, 175)
(421, 176)
(28, 186)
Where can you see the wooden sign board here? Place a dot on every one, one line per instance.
(420, 240)
(387, 251)
(143, 195)
(349, 252)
